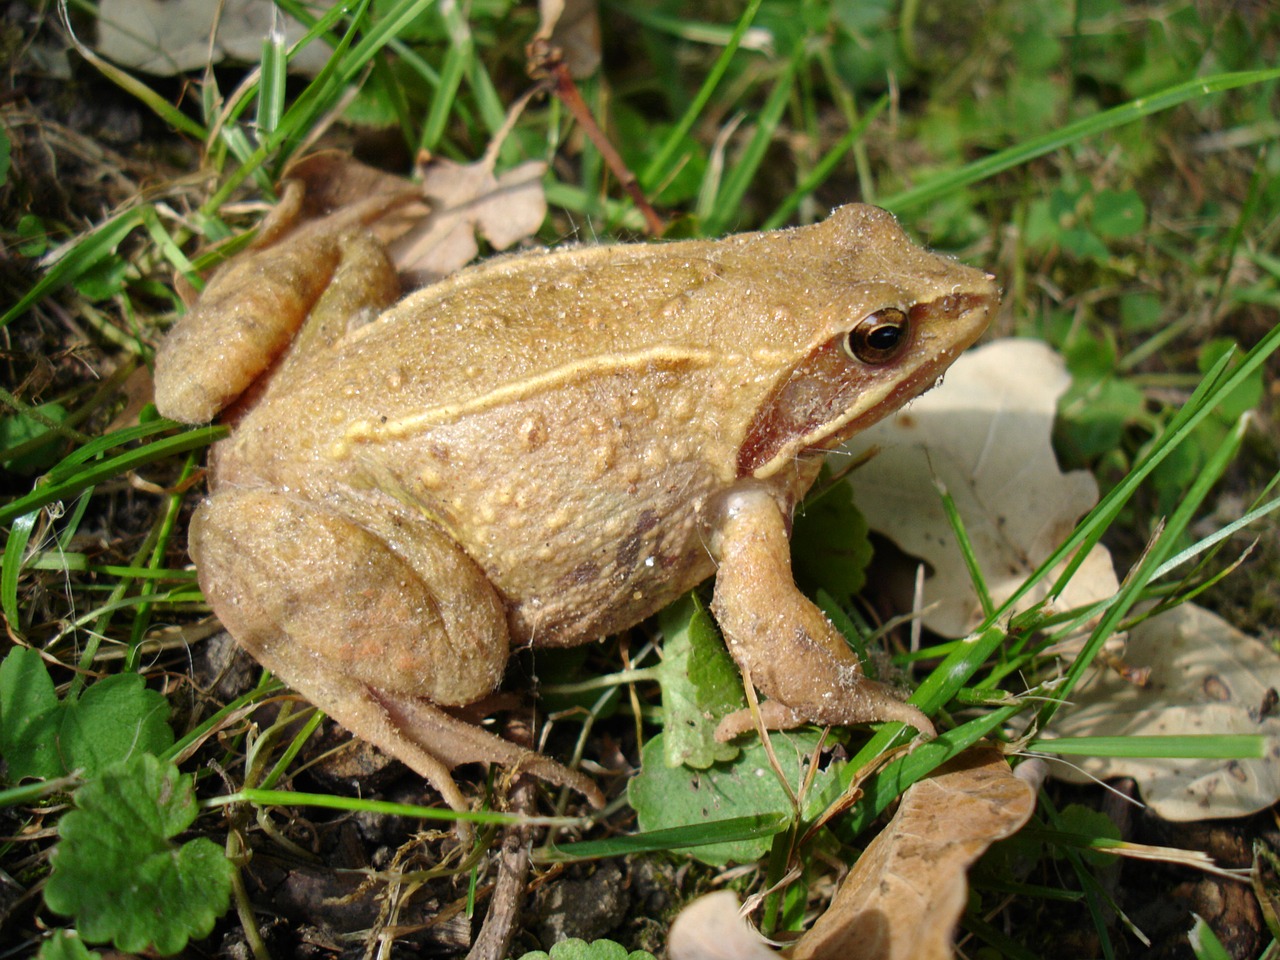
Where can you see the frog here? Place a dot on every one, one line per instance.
(541, 450)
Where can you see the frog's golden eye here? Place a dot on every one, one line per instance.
(879, 337)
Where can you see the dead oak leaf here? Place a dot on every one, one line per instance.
(467, 199)
(903, 897)
(984, 435)
(1206, 677)
(713, 928)
(341, 191)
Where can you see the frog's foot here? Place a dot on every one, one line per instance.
(430, 740)
(374, 633)
(781, 641)
(454, 741)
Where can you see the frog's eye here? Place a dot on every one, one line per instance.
(878, 337)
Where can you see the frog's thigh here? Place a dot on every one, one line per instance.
(285, 573)
(368, 636)
(782, 641)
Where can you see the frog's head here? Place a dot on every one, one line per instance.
(890, 317)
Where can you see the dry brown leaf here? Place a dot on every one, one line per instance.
(573, 28)
(905, 894)
(985, 436)
(336, 181)
(1206, 678)
(330, 191)
(165, 37)
(466, 199)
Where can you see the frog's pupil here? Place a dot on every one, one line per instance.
(884, 337)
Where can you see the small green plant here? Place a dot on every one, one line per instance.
(574, 949)
(1083, 223)
(43, 737)
(65, 945)
(117, 870)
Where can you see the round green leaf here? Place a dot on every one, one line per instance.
(117, 871)
(665, 797)
(66, 945)
(1118, 213)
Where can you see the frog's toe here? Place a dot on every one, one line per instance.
(877, 706)
(452, 741)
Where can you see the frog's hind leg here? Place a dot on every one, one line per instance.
(372, 635)
(317, 285)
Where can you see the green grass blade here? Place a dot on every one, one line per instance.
(492, 109)
(14, 549)
(942, 684)
(1204, 942)
(656, 170)
(100, 445)
(1216, 386)
(320, 95)
(966, 550)
(285, 761)
(271, 85)
(157, 104)
(728, 201)
(673, 838)
(30, 794)
(1131, 590)
(167, 245)
(73, 483)
(1090, 126)
(1219, 535)
(457, 64)
(324, 801)
(1217, 746)
(824, 168)
(79, 256)
(882, 788)
(1005, 946)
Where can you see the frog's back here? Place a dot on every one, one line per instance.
(531, 321)
(529, 318)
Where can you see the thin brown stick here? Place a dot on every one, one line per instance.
(494, 939)
(546, 63)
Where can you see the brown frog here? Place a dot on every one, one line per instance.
(541, 450)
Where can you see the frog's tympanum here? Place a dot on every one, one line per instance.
(542, 450)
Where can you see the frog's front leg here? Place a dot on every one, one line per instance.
(779, 639)
(380, 638)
